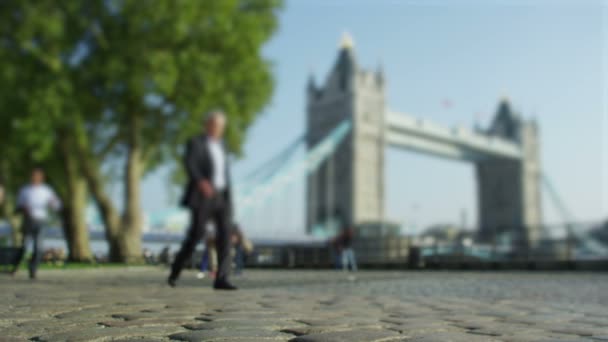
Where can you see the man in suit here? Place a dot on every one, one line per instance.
(207, 195)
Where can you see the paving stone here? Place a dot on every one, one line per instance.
(11, 339)
(597, 321)
(574, 329)
(421, 330)
(240, 324)
(453, 337)
(362, 335)
(540, 338)
(414, 322)
(344, 320)
(144, 323)
(307, 329)
(141, 339)
(100, 333)
(134, 305)
(221, 334)
(246, 315)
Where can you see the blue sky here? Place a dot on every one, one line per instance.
(548, 57)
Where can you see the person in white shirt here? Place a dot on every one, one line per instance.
(34, 201)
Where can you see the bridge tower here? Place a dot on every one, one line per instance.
(350, 182)
(509, 189)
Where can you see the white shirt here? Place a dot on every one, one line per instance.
(218, 158)
(37, 199)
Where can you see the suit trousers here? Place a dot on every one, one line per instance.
(213, 209)
(32, 230)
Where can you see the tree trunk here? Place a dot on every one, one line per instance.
(75, 221)
(7, 207)
(74, 205)
(7, 210)
(109, 214)
(122, 234)
(130, 239)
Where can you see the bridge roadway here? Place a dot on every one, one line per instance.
(459, 143)
(133, 304)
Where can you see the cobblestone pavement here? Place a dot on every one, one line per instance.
(134, 304)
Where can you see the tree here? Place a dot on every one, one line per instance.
(36, 108)
(155, 67)
(120, 85)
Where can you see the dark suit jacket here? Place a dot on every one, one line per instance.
(199, 166)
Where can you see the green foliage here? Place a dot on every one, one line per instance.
(30, 85)
(170, 61)
(104, 60)
(117, 77)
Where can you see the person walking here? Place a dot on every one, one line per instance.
(204, 264)
(34, 201)
(335, 248)
(348, 253)
(242, 247)
(207, 194)
(209, 257)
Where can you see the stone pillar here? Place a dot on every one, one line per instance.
(509, 189)
(500, 199)
(531, 182)
(357, 166)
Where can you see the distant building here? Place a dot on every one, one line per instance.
(446, 234)
(601, 233)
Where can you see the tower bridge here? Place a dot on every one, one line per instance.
(351, 180)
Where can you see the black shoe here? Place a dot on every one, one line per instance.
(33, 276)
(171, 282)
(224, 285)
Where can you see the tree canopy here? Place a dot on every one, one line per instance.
(87, 84)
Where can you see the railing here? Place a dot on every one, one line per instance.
(502, 250)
